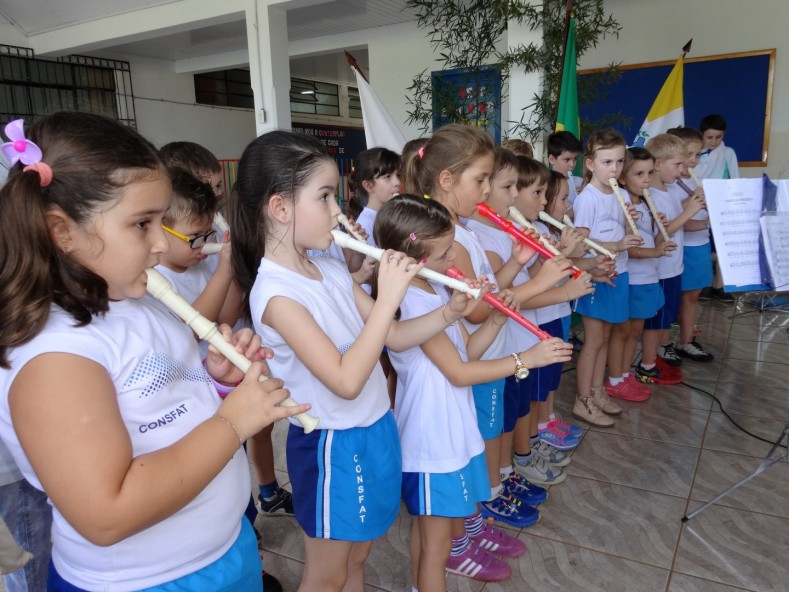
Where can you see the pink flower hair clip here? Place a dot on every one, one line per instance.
(20, 149)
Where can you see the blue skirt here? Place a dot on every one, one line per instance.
(607, 303)
(451, 495)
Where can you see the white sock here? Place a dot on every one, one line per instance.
(505, 472)
(494, 491)
(616, 381)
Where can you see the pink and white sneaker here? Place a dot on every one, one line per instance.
(496, 541)
(478, 564)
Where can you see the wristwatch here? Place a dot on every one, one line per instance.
(521, 371)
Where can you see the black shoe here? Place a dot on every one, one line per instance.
(723, 297)
(270, 583)
(670, 356)
(706, 294)
(695, 352)
(575, 342)
(281, 505)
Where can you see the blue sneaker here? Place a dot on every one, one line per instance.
(523, 491)
(571, 428)
(509, 511)
(557, 438)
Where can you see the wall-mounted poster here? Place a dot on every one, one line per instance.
(470, 96)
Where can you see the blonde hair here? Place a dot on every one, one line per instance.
(665, 146)
(518, 147)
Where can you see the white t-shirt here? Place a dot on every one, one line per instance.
(437, 421)
(695, 238)
(644, 271)
(574, 185)
(549, 313)
(603, 216)
(330, 302)
(163, 393)
(670, 203)
(481, 266)
(190, 284)
(496, 241)
(333, 252)
(367, 221)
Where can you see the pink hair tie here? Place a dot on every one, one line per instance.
(421, 152)
(412, 236)
(44, 172)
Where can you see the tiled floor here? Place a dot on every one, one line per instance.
(615, 524)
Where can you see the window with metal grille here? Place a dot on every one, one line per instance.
(226, 88)
(31, 87)
(317, 98)
(354, 103)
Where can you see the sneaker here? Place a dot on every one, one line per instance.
(570, 428)
(587, 410)
(654, 376)
(523, 491)
(281, 505)
(538, 471)
(604, 402)
(627, 391)
(706, 294)
(666, 370)
(695, 352)
(550, 454)
(670, 355)
(495, 540)
(722, 296)
(576, 342)
(508, 510)
(476, 563)
(639, 386)
(557, 438)
(270, 583)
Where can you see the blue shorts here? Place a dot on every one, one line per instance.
(488, 399)
(698, 267)
(607, 303)
(517, 400)
(238, 570)
(645, 300)
(566, 327)
(669, 312)
(346, 483)
(451, 495)
(547, 378)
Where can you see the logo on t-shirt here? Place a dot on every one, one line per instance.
(157, 371)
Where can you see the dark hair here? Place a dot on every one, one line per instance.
(454, 148)
(688, 134)
(713, 121)
(601, 140)
(531, 171)
(505, 159)
(192, 199)
(518, 147)
(93, 159)
(563, 141)
(276, 163)
(406, 216)
(555, 179)
(633, 155)
(368, 165)
(192, 157)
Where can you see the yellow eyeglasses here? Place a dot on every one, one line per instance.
(194, 243)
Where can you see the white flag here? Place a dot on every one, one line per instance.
(379, 127)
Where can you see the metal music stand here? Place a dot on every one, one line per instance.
(768, 461)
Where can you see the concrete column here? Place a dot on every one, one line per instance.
(523, 86)
(269, 67)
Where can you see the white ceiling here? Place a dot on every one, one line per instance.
(327, 18)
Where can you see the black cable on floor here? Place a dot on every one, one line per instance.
(729, 417)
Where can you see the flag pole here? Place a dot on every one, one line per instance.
(355, 65)
(568, 10)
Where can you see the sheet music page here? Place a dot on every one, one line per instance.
(782, 198)
(735, 206)
(775, 231)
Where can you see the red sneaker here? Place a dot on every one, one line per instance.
(625, 391)
(668, 371)
(655, 376)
